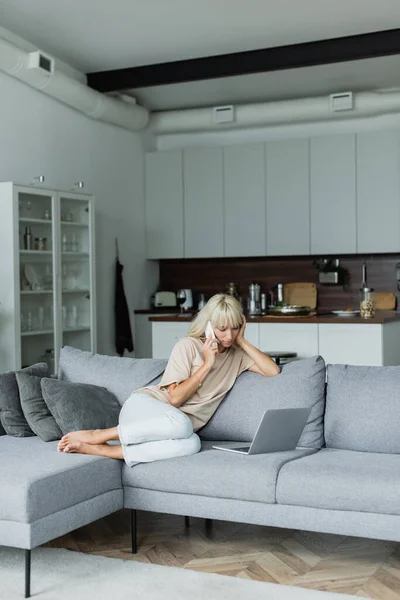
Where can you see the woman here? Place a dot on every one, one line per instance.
(159, 422)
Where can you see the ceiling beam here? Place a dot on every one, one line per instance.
(354, 47)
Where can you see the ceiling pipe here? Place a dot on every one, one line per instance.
(303, 110)
(15, 62)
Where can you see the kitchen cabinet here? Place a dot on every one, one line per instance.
(244, 200)
(165, 335)
(203, 202)
(143, 335)
(289, 337)
(333, 194)
(252, 333)
(164, 204)
(351, 344)
(288, 197)
(378, 191)
(48, 295)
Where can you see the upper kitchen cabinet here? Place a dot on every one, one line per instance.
(378, 190)
(164, 204)
(244, 200)
(203, 202)
(288, 197)
(333, 194)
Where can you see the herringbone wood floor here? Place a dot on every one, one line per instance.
(358, 566)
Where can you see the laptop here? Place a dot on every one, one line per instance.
(279, 429)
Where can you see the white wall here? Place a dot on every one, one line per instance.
(39, 136)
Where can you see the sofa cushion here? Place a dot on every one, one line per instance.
(301, 383)
(11, 415)
(35, 410)
(119, 375)
(342, 480)
(363, 408)
(36, 480)
(77, 406)
(213, 473)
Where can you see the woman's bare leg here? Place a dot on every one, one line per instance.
(96, 449)
(90, 436)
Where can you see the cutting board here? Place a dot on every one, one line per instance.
(385, 301)
(301, 294)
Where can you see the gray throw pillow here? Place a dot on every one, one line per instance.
(35, 410)
(78, 406)
(11, 415)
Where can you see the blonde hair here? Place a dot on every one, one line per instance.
(221, 310)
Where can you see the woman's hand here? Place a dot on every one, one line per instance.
(240, 335)
(210, 351)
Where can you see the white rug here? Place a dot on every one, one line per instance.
(64, 575)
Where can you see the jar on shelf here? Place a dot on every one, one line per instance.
(367, 303)
(232, 289)
(42, 244)
(47, 214)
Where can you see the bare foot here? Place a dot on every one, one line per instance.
(79, 448)
(96, 449)
(90, 436)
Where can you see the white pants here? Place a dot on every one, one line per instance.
(150, 429)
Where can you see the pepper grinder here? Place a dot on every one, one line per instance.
(28, 238)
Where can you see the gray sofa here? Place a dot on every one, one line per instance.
(344, 477)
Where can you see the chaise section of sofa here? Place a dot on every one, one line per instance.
(45, 494)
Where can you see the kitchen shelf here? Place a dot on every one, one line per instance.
(74, 224)
(36, 252)
(37, 332)
(35, 221)
(73, 329)
(80, 291)
(35, 292)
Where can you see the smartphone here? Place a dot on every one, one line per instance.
(210, 332)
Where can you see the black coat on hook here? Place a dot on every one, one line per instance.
(123, 332)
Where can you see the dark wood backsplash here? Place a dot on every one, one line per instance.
(210, 276)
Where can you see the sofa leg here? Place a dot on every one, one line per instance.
(27, 573)
(187, 522)
(133, 531)
(209, 525)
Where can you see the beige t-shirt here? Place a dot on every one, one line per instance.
(186, 357)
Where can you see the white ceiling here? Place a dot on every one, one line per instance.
(96, 35)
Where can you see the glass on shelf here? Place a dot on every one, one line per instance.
(70, 277)
(37, 319)
(47, 279)
(41, 317)
(25, 209)
(70, 317)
